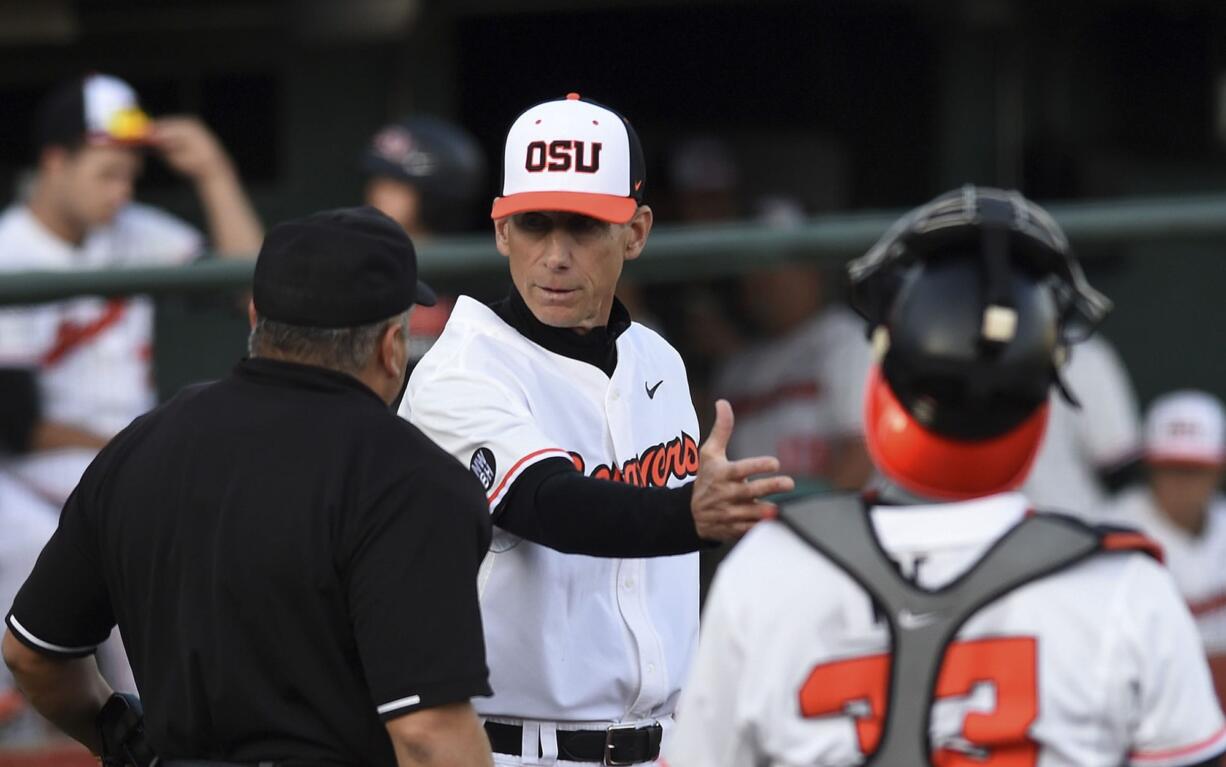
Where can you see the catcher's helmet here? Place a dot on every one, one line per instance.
(440, 159)
(972, 302)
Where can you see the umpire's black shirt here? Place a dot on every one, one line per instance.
(289, 564)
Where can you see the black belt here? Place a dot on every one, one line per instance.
(210, 763)
(618, 744)
(218, 763)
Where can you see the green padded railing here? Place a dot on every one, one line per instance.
(674, 252)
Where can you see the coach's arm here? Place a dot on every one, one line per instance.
(623, 520)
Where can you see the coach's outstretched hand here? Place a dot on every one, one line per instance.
(725, 502)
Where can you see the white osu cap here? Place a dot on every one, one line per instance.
(572, 155)
(1186, 427)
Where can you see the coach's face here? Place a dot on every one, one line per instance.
(566, 265)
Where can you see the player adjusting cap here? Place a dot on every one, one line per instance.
(1186, 428)
(337, 268)
(97, 110)
(572, 155)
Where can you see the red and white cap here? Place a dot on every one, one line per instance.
(1186, 427)
(572, 155)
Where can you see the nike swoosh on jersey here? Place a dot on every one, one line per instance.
(909, 620)
(651, 390)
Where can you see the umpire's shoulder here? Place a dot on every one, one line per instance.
(401, 437)
(402, 450)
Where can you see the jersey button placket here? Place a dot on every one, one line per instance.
(632, 601)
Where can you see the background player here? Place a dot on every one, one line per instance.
(798, 389)
(547, 396)
(75, 372)
(1089, 450)
(426, 174)
(90, 357)
(1086, 658)
(1182, 507)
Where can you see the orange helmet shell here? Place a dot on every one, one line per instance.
(937, 467)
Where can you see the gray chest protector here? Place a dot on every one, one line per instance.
(922, 623)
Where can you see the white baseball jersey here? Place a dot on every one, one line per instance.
(568, 638)
(92, 355)
(1096, 665)
(794, 395)
(1198, 564)
(1104, 432)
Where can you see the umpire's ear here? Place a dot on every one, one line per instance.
(394, 348)
(252, 317)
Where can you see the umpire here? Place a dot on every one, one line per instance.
(288, 585)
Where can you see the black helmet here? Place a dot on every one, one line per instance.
(972, 301)
(439, 158)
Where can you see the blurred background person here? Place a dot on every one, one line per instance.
(1089, 451)
(73, 373)
(428, 175)
(1182, 507)
(798, 388)
(704, 176)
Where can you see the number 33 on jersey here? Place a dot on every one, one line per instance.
(1096, 664)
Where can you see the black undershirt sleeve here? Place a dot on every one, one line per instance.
(19, 408)
(556, 506)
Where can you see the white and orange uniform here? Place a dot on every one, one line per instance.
(794, 396)
(1197, 563)
(91, 355)
(1096, 665)
(572, 641)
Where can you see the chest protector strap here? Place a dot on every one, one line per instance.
(922, 623)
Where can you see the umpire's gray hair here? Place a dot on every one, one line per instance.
(348, 350)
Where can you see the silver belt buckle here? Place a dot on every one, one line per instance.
(609, 758)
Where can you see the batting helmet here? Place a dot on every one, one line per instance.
(973, 300)
(440, 159)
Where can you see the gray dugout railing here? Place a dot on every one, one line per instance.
(674, 252)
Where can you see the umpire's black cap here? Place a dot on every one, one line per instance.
(337, 268)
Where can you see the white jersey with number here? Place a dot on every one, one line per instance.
(569, 638)
(1094, 666)
(91, 355)
(1080, 442)
(795, 395)
(1197, 562)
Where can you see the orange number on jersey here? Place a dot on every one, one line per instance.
(858, 687)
